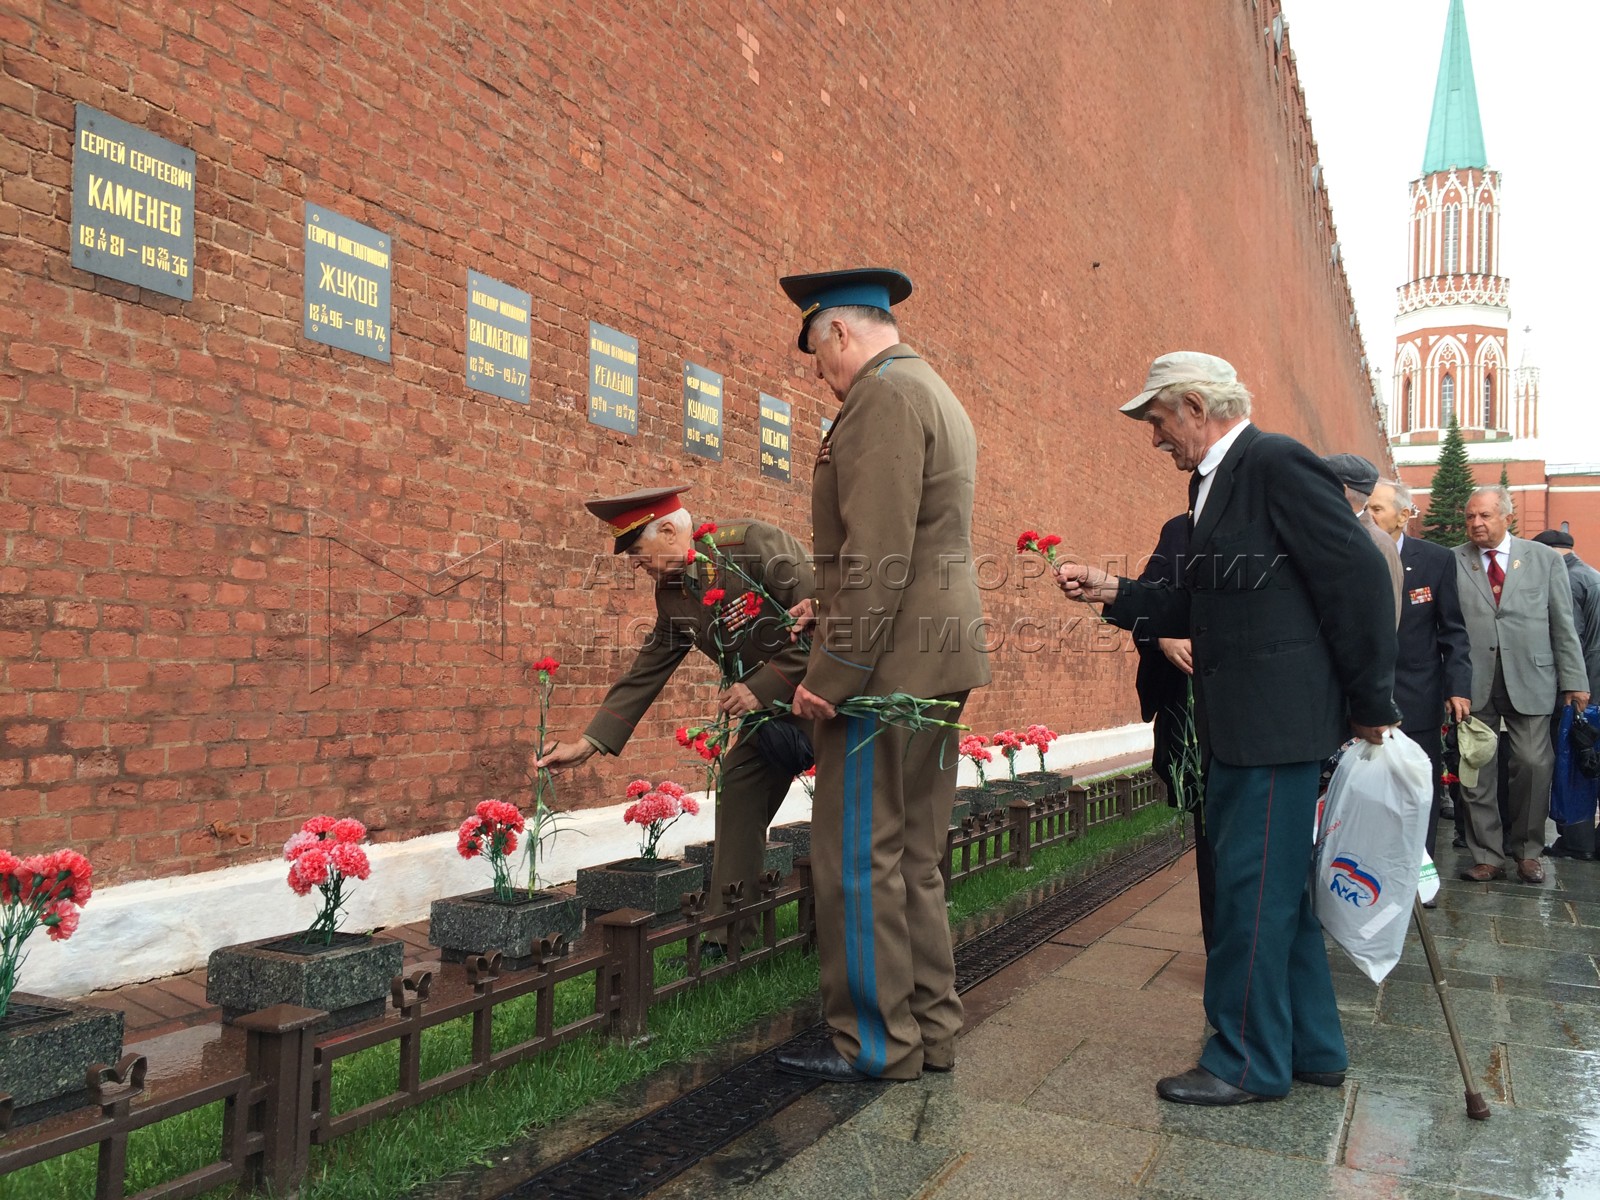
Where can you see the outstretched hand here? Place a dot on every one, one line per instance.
(811, 707)
(566, 754)
(1089, 585)
(805, 618)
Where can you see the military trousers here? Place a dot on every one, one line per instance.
(1268, 991)
(751, 792)
(880, 823)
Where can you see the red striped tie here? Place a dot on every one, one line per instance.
(1497, 574)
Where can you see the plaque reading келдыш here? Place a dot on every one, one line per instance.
(132, 205)
(702, 412)
(774, 428)
(613, 379)
(499, 333)
(347, 283)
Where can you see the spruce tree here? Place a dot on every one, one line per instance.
(1505, 482)
(1446, 522)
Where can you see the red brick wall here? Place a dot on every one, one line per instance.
(247, 577)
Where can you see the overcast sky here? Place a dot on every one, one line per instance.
(1368, 68)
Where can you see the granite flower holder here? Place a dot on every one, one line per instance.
(653, 885)
(478, 922)
(779, 857)
(797, 834)
(348, 979)
(46, 1049)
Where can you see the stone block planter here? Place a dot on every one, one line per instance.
(348, 979)
(984, 799)
(649, 885)
(462, 926)
(46, 1049)
(961, 809)
(797, 835)
(779, 857)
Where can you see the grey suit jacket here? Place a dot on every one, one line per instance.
(1530, 632)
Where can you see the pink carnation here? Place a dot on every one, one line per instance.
(690, 805)
(350, 860)
(667, 788)
(467, 838)
(348, 829)
(501, 813)
(318, 825)
(297, 845)
(638, 788)
(61, 918)
(309, 870)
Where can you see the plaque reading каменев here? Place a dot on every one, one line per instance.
(132, 205)
(499, 334)
(613, 379)
(347, 283)
(702, 412)
(774, 437)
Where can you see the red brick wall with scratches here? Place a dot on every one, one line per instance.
(248, 578)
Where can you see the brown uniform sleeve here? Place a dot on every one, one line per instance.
(786, 575)
(629, 698)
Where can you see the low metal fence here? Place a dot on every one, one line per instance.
(281, 1103)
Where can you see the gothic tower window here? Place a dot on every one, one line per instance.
(1488, 398)
(1447, 400)
(1452, 239)
(1410, 409)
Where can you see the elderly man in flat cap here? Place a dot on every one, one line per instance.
(1291, 614)
(1577, 839)
(1359, 478)
(897, 590)
(654, 529)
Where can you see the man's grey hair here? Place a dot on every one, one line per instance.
(678, 520)
(1224, 401)
(854, 315)
(1503, 494)
(1403, 499)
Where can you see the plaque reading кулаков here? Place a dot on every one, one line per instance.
(132, 205)
(347, 283)
(774, 437)
(702, 412)
(613, 379)
(499, 330)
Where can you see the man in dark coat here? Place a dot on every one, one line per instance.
(1291, 613)
(1577, 839)
(1433, 673)
(1162, 681)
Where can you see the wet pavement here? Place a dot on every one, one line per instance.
(1053, 1095)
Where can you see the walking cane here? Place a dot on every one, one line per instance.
(1477, 1108)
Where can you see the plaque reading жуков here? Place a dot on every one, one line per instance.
(613, 379)
(774, 437)
(347, 283)
(702, 412)
(132, 205)
(498, 333)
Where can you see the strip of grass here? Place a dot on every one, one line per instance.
(444, 1135)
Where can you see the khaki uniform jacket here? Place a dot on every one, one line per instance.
(897, 589)
(1530, 632)
(760, 654)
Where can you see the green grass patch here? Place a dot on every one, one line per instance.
(464, 1128)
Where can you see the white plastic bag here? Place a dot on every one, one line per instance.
(1369, 849)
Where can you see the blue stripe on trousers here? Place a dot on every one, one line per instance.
(861, 971)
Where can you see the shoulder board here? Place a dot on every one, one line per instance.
(730, 535)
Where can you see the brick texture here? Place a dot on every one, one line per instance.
(247, 578)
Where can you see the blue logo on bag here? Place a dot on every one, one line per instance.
(1349, 882)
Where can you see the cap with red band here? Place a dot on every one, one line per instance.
(626, 516)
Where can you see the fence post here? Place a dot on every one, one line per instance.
(1021, 833)
(277, 1055)
(113, 1089)
(1123, 785)
(1077, 811)
(633, 976)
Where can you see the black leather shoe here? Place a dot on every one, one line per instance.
(928, 1066)
(826, 1064)
(1459, 842)
(1321, 1078)
(1200, 1086)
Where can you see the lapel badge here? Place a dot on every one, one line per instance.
(1515, 563)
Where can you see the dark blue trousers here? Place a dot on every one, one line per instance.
(1269, 994)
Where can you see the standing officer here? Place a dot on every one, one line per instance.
(1291, 614)
(898, 599)
(654, 529)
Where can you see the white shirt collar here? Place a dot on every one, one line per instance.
(1503, 550)
(1400, 542)
(1219, 449)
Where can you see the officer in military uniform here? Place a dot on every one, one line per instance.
(898, 603)
(654, 529)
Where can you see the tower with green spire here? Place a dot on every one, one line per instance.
(1455, 134)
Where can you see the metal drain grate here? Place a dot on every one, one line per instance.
(640, 1157)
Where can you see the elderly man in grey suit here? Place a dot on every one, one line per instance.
(1518, 609)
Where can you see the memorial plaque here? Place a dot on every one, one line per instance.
(774, 437)
(347, 283)
(499, 335)
(702, 412)
(613, 379)
(132, 205)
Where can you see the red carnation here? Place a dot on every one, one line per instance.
(637, 788)
(714, 596)
(705, 530)
(546, 666)
(1049, 542)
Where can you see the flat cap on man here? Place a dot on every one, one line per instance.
(1556, 539)
(626, 516)
(1355, 472)
(1179, 366)
(865, 287)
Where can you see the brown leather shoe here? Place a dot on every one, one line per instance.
(1483, 873)
(1529, 870)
